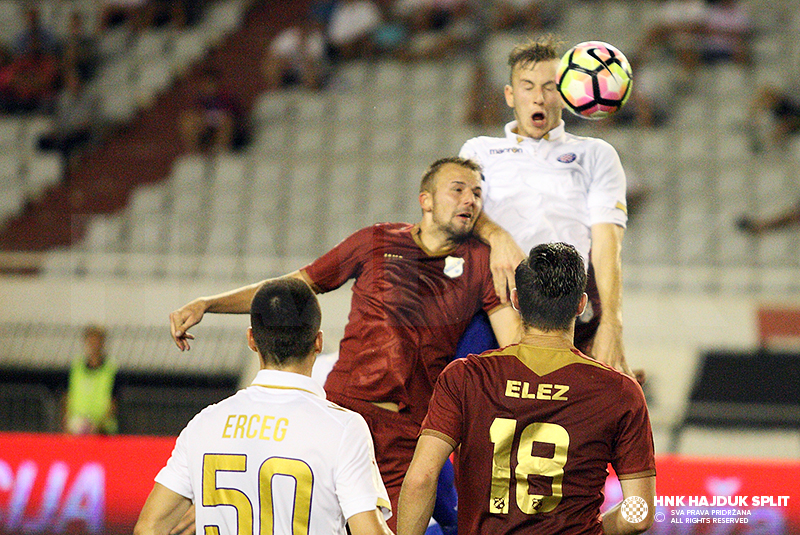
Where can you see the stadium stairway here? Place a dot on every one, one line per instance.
(143, 150)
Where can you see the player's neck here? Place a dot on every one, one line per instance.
(537, 337)
(302, 367)
(434, 240)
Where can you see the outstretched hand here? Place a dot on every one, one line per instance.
(182, 320)
(504, 258)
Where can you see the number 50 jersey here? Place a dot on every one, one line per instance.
(276, 457)
(538, 427)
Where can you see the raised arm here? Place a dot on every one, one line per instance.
(233, 302)
(607, 261)
(613, 521)
(505, 256)
(418, 493)
(507, 325)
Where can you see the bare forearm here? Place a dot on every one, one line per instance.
(417, 499)
(236, 301)
(233, 302)
(607, 263)
(614, 524)
(485, 228)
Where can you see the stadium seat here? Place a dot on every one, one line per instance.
(43, 171)
(103, 234)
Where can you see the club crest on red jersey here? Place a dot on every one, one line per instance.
(453, 266)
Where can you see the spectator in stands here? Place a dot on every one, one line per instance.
(698, 32)
(214, 121)
(436, 28)
(34, 34)
(726, 33)
(298, 57)
(30, 82)
(351, 29)
(79, 52)
(675, 29)
(779, 111)
(522, 15)
(90, 404)
(76, 121)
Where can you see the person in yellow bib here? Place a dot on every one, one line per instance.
(90, 405)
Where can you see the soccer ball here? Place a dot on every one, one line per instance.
(594, 79)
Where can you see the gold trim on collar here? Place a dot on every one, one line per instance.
(279, 387)
(415, 232)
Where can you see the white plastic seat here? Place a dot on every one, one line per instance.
(44, 170)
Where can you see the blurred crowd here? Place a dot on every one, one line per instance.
(682, 35)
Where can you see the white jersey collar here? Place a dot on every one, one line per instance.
(553, 135)
(288, 381)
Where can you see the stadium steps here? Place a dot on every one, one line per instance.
(143, 151)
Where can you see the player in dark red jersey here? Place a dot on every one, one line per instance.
(537, 424)
(416, 289)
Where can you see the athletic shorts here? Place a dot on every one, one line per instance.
(395, 437)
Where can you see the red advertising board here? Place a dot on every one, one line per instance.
(63, 484)
(97, 485)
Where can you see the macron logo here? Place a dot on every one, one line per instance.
(513, 150)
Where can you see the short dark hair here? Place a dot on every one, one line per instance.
(426, 184)
(550, 283)
(285, 316)
(542, 49)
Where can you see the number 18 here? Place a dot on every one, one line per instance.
(502, 434)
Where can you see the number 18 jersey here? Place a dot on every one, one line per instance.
(538, 427)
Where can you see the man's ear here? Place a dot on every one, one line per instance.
(426, 201)
(582, 304)
(251, 341)
(318, 342)
(515, 299)
(508, 91)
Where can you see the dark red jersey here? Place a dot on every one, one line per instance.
(408, 311)
(538, 427)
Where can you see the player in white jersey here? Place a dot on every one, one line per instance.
(542, 184)
(275, 457)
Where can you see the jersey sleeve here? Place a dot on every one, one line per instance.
(468, 150)
(175, 475)
(341, 263)
(445, 416)
(359, 487)
(633, 455)
(606, 199)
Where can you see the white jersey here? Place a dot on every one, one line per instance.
(552, 189)
(276, 455)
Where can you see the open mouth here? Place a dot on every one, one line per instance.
(538, 117)
(465, 216)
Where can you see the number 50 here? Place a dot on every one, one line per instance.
(502, 434)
